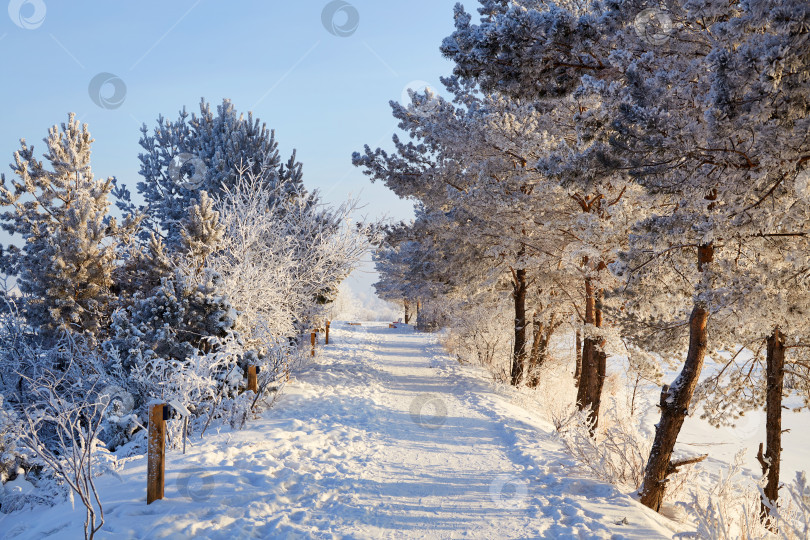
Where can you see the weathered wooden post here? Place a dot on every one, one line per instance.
(312, 339)
(326, 342)
(253, 378)
(156, 452)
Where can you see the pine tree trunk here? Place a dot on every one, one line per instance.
(600, 361)
(540, 345)
(675, 401)
(594, 360)
(519, 354)
(407, 311)
(578, 357)
(539, 350)
(770, 462)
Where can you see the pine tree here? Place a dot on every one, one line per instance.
(711, 123)
(179, 308)
(214, 148)
(65, 267)
(202, 232)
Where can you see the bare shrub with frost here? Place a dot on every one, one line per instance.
(616, 453)
(282, 259)
(731, 508)
(62, 430)
(792, 518)
(555, 395)
(476, 333)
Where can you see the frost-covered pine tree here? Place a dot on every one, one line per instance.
(704, 122)
(671, 112)
(471, 169)
(206, 152)
(504, 162)
(760, 98)
(185, 310)
(70, 243)
(202, 232)
(392, 265)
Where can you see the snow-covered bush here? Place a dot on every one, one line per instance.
(193, 382)
(9, 453)
(282, 260)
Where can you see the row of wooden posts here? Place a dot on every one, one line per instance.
(159, 414)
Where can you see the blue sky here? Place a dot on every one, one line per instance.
(325, 95)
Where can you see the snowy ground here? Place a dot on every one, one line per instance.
(382, 436)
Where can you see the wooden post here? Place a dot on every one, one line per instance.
(253, 379)
(327, 333)
(156, 453)
(313, 338)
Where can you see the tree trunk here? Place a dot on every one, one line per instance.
(578, 357)
(594, 359)
(407, 311)
(773, 427)
(539, 354)
(675, 401)
(519, 354)
(600, 363)
(599, 360)
(418, 318)
(534, 354)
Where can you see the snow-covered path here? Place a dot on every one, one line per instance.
(382, 436)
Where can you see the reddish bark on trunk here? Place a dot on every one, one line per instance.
(770, 462)
(539, 353)
(675, 401)
(594, 360)
(519, 353)
(578, 358)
